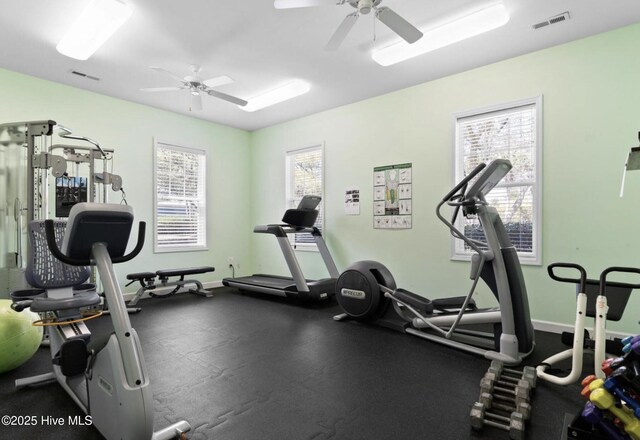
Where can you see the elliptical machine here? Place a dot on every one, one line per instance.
(366, 290)
(107, 378)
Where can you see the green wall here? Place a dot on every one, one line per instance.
(130, 128)
(591, 115)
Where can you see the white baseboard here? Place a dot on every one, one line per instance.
(207, 285)
(554, 327)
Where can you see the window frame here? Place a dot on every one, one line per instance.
(534, 258)
(304, 247)
(157, 248)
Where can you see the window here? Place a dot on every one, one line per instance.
(512, 131)
(180, 204)
(304, 176)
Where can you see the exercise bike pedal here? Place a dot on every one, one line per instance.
(72, 357)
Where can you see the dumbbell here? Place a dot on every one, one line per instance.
(507, 384)
(514, 425)
(613, 386)
(519, 394)
(523, 408)
(604, 400)
(629, 344)
(589, 384)
(611, 364)
(527, 373)
(593, 415)
(629, 375)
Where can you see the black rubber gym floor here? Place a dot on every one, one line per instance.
(253, 367)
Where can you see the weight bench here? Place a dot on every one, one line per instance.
(148, 284)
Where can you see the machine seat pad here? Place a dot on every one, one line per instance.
(181, 272)
(77, 301)
(419, 302)
(141, 276)
(453, 303)
(19, 295)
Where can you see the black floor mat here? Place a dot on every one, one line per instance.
(250, 367)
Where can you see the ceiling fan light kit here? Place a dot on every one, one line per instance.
(469, 25)
(99, 20)
(284, 93)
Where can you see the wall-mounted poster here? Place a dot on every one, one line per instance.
(392, 196)
(352, 201)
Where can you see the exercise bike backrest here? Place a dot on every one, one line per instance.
(616, 293)
(91, 223)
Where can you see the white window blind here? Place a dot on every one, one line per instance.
(305, 169)
(180, 208)
(511, 132)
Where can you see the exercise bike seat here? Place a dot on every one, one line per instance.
(77, 301)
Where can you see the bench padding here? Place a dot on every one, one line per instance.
(186, 271)
(141, 276)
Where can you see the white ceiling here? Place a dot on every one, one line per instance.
(261, 47)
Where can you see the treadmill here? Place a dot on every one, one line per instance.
(298, 220)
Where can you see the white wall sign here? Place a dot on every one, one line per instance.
(352, 201)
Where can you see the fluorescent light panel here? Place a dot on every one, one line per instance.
(288, 91)
(99, 20)
(467, 26)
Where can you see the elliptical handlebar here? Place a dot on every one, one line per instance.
(55, 250)
(582, 281)
(464, 181)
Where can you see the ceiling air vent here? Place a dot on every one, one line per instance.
(84, 75)
(553, 20)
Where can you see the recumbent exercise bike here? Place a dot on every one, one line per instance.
(107, 378)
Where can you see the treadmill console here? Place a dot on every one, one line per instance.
(305, 215)
(309, 202)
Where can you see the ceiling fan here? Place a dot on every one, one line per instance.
(387, 16)
(197, 86)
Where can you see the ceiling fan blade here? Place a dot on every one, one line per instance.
(195, 102)
(166, 72)
(229, 98)
(161, 89)
(398, 25)
(217, 81)
(341, 33)
(287, 4)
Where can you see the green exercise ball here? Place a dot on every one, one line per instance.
(19, 339)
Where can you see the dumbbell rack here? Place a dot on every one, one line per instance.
(613, 407)
(504, 401)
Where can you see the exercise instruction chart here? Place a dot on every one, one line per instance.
(392, 196)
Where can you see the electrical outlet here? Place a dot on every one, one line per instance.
(233, 263)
